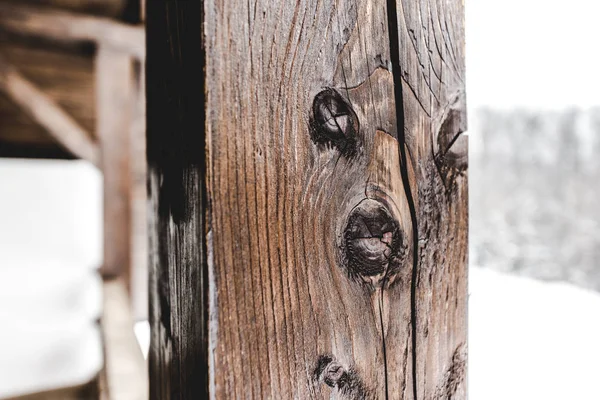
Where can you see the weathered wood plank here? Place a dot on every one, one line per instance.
(312, 231)
(429, 75)
(336, 212)
(178, 286)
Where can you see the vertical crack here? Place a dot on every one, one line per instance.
(393, 33)
(385, 367)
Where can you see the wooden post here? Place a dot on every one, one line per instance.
(309, 191)
(114, 105)
(139, 244)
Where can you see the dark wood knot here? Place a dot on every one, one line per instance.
(329, 371)
(336, 376)
(334, 123)
(372, 242)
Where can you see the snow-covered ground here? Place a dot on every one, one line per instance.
(532, 340)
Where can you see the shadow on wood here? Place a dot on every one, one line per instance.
(309, 221)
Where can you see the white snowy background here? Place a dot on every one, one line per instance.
(528, 339)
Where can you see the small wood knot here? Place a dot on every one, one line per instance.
(334, 123)
(372, 242)
(330, 371)
(336, 376)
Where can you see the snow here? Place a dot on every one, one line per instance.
(531, 340)
(532, 53)
(50, 292)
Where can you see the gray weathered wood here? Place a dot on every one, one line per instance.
(336, 200)
(431, 74)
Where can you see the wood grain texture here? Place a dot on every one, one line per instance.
(308, 324)
(430, 72)
(336, 200)
(178, 311)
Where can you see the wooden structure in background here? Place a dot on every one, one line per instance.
(71, 86)
(308, 184)
(63, 100)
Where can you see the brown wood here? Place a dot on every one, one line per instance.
(139, 229)
(112, 8)
(430, 73)
(65, 77)
(47, 113)
(336, 204)
(66, 26)
(114, 105)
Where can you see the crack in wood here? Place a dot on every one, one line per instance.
(392, 15)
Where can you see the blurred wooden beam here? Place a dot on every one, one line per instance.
(66, 77)
(125, 368)
(68, 26)
(139, 249)
(114, 108)
(139, 276)
(108, 8)
(47, 113)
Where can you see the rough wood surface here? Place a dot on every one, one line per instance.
(178, 312)
(44, 111)
(114, 108)
(67, 26)
(430, 72)
(337, 205)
